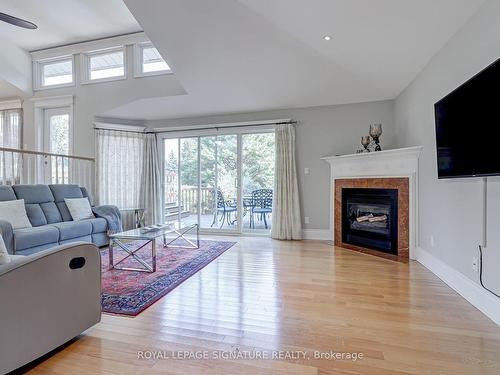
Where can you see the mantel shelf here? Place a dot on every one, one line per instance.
(415, 150)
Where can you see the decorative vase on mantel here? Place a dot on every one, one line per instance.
(375, 133)
(365, 142)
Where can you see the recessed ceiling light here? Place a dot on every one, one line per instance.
(327, 37)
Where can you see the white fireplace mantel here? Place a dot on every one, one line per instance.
(401, 162)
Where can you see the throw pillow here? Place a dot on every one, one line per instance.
(15, 213)
(79, 208)
(4, 255)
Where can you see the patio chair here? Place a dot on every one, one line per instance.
(262, 201)
(224, 207)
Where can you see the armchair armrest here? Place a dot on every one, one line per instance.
(47, 299)
(8, 235)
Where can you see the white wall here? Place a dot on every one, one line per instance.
(15, 69)
(91, 100)
(450, 211)
(321, 131)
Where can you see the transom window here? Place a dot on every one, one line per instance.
(149, 61)
(54, 72)
(105, 65)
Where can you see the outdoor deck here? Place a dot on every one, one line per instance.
(207, 220)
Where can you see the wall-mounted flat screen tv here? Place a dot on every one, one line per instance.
(468, 127)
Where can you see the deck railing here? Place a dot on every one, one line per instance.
(190, 201)
(37, 167)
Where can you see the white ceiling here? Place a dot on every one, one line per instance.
(250, 55)
(66, 21)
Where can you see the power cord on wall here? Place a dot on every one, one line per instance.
(481, 272)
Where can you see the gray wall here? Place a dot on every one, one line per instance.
(321, 131)
(450, 211)
(92, 99)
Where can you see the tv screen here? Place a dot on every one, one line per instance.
(467, 125)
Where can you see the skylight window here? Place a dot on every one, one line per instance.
(149, 61)
(54, 72)
(105, 65)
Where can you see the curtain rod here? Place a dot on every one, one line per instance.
(219, 126)
(125, 131)
(202, 127)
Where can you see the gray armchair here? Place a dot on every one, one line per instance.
(47, 299)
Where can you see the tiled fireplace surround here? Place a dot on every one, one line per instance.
(401, 184)
(391, 169)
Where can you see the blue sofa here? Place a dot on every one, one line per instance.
(50, 218)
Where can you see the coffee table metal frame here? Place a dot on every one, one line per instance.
(150, 237)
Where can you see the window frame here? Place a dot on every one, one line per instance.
(138, 66)
(85, 61)
(38, 72)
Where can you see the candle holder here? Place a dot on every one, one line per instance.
(376, 132)
(365, 141)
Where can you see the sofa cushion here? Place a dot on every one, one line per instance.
(78, 239)
(61, 191)
(35, 214)
(35, 196)
(51, 212)
(37, 236)
(7, 193)
(36, 249)
(33, 193)
(65, 191)
(63, 210)
(73, 229)
(99, 225)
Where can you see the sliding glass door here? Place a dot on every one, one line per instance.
(223, 182)
(219, 182)
(257, 180)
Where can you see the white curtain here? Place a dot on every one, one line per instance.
(11, 121)
(11, 128)
(151, 186)
(286, 206)
(119, 158)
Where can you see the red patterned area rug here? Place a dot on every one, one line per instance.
(131, 292)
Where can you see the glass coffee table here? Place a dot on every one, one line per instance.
(150, 235)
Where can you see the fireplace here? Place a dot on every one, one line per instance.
(370, 218)
(371, 215)
(389, 169)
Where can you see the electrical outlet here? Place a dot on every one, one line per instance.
(431, 240)
(475, 264)
(306, 220)
(306, 170)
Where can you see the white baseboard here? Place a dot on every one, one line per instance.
(484, 301)
(317, 234)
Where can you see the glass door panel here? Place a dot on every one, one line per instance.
(57, 140)
(257, 165)
(227, 181)
(218, 188)
(171, 198)
(189, 182)
(208, 182)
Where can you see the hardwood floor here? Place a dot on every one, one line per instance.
(267, 295)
